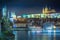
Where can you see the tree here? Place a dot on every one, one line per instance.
(6, 30)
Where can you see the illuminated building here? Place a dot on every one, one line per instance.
(18, 16)
(4, 11)
(43, 15)
(13, 14)
(46, 10)
(21, 22)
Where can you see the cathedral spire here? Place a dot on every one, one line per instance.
(43, 10)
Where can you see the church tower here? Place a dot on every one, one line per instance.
(43, 11)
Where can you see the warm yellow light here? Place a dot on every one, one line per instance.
(53, 10)
(21, 19)
(54, 27)
(14, 16)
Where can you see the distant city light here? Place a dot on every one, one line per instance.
(24, 16)
(11, 19)
(52, 15)
(18, 16)
(32, 16)
(28, 16)
(13, 14)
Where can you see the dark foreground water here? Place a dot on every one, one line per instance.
(36, 35)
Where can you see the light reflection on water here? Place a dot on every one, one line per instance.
(45, 34)
(32, 35)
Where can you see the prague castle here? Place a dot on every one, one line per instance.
(47, 10)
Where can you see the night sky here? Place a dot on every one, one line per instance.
(30, 6)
